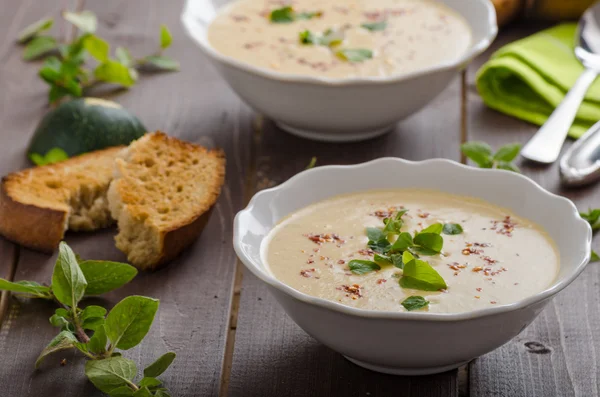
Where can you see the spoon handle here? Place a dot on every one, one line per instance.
(545, 145)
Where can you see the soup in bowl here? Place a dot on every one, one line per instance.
(412, 267)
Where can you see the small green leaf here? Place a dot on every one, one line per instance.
(382, 260)
(161, 62)
(432, 242)
(92, 317)
(436, 228)
(354, 55)
(418, 274)
(54, 155)
(97, 47)
(86, 21)
(162, 393)
(39, 46)
(111, 373)
(380, 246)
(64, 340)
(114, 72)
(508, 153)
(402, 243)
(160, 365)
(130, 320)
(478, 152)
(150, 382)
(124, 56)
(29, 288)
(452, 228)
(308, 37)
(68, 282)
(312, 163)
(59, 322)
(357, 266)
(414, 303)
(375, 26)
(397, 260)
(282, 15)
(105, 276)
(308, 15)
(123, 391)
(50, 70)
(165, 37)
(142, 392)
(375, 233)
(594, 257)
(98, 341)
(34, 29)
(508, 166)
(63, 313)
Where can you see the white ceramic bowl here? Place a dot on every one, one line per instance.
(403, 342)
(338, 110)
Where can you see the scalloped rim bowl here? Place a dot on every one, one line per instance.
(346, 109)
(403, 342)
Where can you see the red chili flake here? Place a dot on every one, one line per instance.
(423, 215)
(505, 227)
(482, 245)
(324, 238)
(252, 45)
(315, 249)
(453, 266)
(353, 289)
(239, 18)
(489, 260)
(493, 302)
(381, 281)
(310, 261)
(477, 297)
(341, 262)
(456, 273)
(470, 250)
(366, 252)
(308, 273)
(478, 289)
(477, 269)
(322, 257)
(516, 284)
(341, 10)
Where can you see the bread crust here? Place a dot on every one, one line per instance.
(28, 225)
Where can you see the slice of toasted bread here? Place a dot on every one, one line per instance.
(38, 205)
(161, 196)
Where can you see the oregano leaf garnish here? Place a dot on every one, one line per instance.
(481, 154)
(358, 266)
(414, 303)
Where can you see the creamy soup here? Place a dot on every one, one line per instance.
(490, 256)
(340, 38)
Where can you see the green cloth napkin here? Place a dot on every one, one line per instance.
(530, 77)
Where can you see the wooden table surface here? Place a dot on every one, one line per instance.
(230, 336)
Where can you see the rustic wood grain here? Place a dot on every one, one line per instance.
(195, 290)
(272, 355)
(558, 354)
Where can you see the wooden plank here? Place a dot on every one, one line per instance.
(557, 354)
(273, 356)
(196, 289)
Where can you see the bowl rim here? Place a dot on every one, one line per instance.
(257, 269)
(188, 21)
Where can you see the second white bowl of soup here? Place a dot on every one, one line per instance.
(340, 70)
(412, 267)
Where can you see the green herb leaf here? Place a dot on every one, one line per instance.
(161, 62)
(142, 392)
(150, 382)
(478, 152)
(414, 303)
(375, 234)
(380, 246)
(452, 228)
(508, 153)
(68, 282)
(29, 288)
(34, 29)
(282, 15)
(110, 373)
(594, 257)
(382, 260)
(124, 56)
(418, 274)
(428, 243)
(63, 313)
(162, 393)
(357, 266)
(354, 55)
(98, 341)
(332, 38)
(86, 21)
(397, 260)
(436, 228)
(59, 322)
(92, 317)
(123, 391)
(50, 71)
(307, 37)
(114, 72)
(165, 37)
(129, 321)
(105, 276)
(593, 218)
(97, 47)
(402, 243)
(64, 340)
(312, 163)
(308, 15)
(39, 46)
(54, 155)
(160, 365)
(375, 26)
(508, 166)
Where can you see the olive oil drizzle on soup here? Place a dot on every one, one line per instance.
(498, 258)
(340, 39)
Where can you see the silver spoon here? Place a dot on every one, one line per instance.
(580, 165)
(545, 145)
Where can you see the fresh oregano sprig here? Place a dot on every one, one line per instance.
(593, 218)
(92, 330)
(65, 68)
(481, 154)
